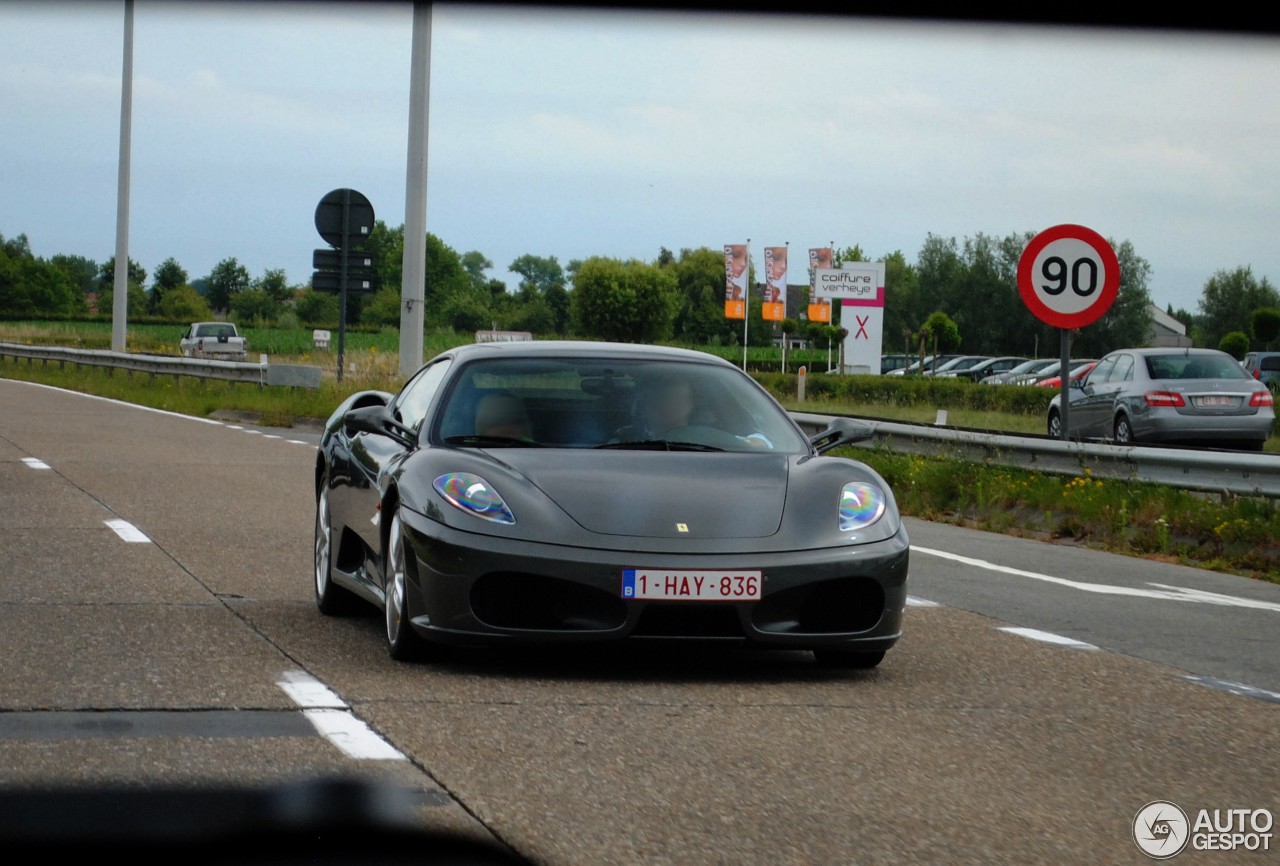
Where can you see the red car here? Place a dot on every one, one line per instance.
(1076, 373)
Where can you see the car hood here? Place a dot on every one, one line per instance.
(653, 494)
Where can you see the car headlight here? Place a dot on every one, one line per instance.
(861, 504)
(472, 494)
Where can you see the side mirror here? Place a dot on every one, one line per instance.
(842, 431)
(378, 420)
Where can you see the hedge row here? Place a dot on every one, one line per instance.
(913, 391)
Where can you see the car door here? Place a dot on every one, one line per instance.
(1091, 407)
(373, 454)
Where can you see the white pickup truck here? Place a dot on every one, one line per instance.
(218, 340)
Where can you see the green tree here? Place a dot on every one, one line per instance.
(253, 305)
(1265, 324)
(1226, 302)
(33, 286)
(107, 278)
(699, 316)
(475, 263)
(468, 311)
(317, 308)
(902, 302)
(537, 273)
(1184, 316)
(629, 301)
(941, 332)
(275, 283)
(226, 279)
(82, 272)
(385, 246)
(137, 304)
(183, 304)
(383, 308)
(1235, 344)
(169, 275)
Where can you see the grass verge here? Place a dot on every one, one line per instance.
(1223, 532)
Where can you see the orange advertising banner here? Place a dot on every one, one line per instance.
(819, 308)
(736, 272)
(775, 284)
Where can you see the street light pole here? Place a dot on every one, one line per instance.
(120, 297)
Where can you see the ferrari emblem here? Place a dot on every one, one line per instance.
(682, 527)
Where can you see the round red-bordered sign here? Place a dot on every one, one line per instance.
(1068, 276)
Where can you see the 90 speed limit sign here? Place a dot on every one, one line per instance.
(1068, 276)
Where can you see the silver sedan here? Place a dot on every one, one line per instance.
(1184, 396)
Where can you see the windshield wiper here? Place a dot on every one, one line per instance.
(658, 445)
(477, 441)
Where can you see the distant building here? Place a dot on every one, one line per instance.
(1165, 330)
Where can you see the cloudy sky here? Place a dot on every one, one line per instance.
(573, 133)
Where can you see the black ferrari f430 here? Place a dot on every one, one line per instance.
(559, 492)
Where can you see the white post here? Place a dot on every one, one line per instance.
(412, 287)
(746, 308)
(120, 297)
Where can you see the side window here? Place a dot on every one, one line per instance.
(411, 406)
(1123, 371)
(1101, 372)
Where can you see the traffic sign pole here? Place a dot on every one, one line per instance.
(342, 286)
(1064, 384)
(344, 218)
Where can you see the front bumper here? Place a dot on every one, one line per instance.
(472, 589)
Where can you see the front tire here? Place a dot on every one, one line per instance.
(403, 643)
(331, 599)
(848, 659)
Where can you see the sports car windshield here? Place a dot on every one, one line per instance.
(619, 405)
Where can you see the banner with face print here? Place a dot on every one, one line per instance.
(775, 284)
(736, 273)
(819, 308)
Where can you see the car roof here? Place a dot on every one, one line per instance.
(584, 349)
(1167, 350)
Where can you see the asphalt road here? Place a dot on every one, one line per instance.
(157, 627)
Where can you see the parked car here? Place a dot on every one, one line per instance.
(915, 368)
(1026, 368)
(893, 362)
(985, 368)
(1168, 396)
(568, 492)
(218, 340)
(1049, 372)
(1263, 366)
(1077, 372)
(956, 364)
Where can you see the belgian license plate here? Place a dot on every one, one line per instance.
(671, 585)
(1215, 401)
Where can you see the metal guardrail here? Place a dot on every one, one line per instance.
(1193, 469)
(291, 375)
(1203, 470)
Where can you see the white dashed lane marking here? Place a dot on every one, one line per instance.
(1048, 637)
(128, 532)
(331, 718)
(34, 463)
